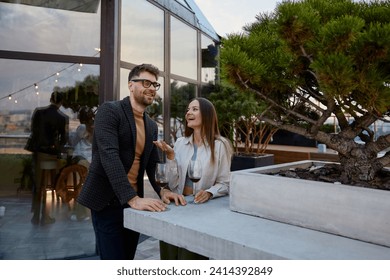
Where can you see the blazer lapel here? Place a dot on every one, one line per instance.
(148, 136)
(128, 111)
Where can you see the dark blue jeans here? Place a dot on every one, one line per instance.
(114, 241)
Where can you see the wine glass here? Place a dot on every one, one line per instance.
(162, 175)
(195, 170)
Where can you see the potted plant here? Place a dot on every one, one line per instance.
(310, 61)
(239, 121)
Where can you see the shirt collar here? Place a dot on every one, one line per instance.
(189, 140)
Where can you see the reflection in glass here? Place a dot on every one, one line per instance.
(45, 30)
(30, 83)
(209, 62)
(207, 89)
(156, 109)
(142, 38)
(123, 84)
(181, 94)
(183, 49)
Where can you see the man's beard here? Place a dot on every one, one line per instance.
(145, 98)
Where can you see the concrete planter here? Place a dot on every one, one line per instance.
(354, 212)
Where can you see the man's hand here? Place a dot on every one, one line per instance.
(167, 196)
(149, 204)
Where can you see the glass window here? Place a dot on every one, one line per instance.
(46, 30)
(142, 39)
(209, 62)
(183, 49)
(25, 86)
(181, 94)
(156, 111)
(207, 89)
(123, 85)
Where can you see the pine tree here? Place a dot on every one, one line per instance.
(313, 60)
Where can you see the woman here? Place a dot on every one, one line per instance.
(203, 141)
(82, 153)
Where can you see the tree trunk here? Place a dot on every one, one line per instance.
(359, 168)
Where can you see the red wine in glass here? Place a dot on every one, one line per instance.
(194, 171)
(162, 184)
(161, 175)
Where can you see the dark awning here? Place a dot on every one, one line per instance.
(84, 6)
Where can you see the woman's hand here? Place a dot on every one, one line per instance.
(165, 148)
(202, 196)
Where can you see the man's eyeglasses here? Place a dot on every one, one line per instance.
(147, 83)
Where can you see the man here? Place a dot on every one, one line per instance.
(49, 134)
(122, 150)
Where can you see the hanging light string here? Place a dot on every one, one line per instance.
(35, 85)
(9, 96)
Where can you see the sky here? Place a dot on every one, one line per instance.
(229, 16)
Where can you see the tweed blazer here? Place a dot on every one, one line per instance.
(113, 152)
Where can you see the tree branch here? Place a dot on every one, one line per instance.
(275, 104)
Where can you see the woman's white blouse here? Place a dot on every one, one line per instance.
(215, 177)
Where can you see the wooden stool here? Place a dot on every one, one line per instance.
(70, 181)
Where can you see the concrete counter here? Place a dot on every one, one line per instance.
(213, 230)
